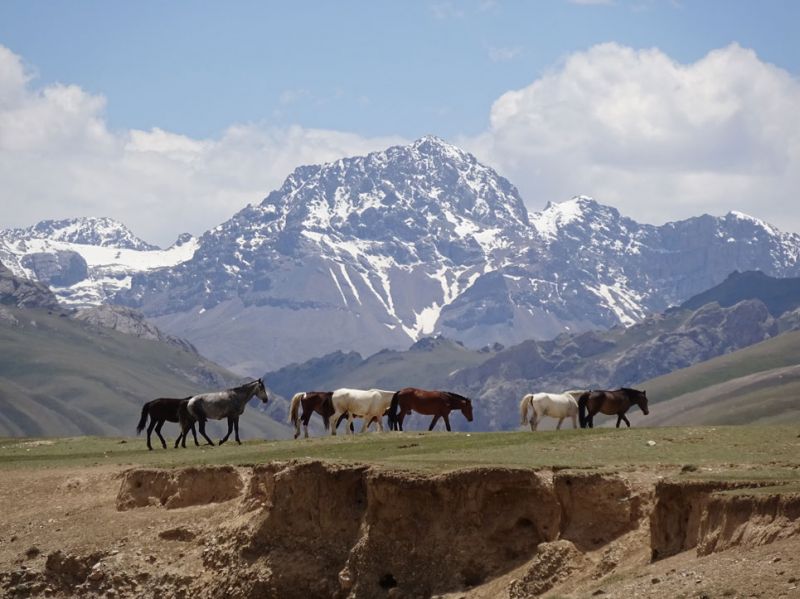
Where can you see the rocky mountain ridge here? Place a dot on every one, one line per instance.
(378, 251)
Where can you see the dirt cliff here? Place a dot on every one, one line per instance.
(320, 529)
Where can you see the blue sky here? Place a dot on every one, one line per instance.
(374, 68)
(196, 108)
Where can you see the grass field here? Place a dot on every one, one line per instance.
(772, 450)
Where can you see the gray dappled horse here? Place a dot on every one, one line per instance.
(228, 404)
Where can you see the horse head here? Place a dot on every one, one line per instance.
(261, 391)
(466, 409)
(640, 397)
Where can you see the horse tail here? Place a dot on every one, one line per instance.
(393, 410)
(523, 409)
(294, 407)
(582, 400)
(143, 419)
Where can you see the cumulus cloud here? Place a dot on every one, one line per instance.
(658, 139)
(59, 159)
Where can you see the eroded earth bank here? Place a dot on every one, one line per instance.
(317, 529)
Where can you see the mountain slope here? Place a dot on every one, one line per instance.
(497, 380)
(758, 384)
(779, 295)
(59, 376)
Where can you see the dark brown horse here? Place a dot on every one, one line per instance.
(162, 410)
(610, 402)
(311, 401)
(438, 404)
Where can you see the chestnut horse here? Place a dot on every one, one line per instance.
(430, 403)
(610, 402)
(162, 410)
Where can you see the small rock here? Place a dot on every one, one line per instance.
(32, 552)
(791, 580)
(655, 580)
(95, 575)
(599, 592)
(651, 443)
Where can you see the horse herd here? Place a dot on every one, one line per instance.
(372, 405)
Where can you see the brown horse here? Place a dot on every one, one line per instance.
(161, 410)
(431, 403)
(610, 402)
(311, 401)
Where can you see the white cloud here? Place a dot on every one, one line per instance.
(59, 159)
(658, 139)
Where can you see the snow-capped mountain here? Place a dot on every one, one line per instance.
(88, 260)
(377, 251)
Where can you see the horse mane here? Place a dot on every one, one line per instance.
(455, 396)
(245, 385)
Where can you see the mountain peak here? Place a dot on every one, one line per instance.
(742, 217)
(87, 230)
(556, 216)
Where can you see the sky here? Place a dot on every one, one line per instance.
(172, 116)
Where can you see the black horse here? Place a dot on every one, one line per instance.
(610, 402)
(161, 410)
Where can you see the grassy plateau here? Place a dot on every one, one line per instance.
(771, 450)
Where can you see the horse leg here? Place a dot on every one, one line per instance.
(574, 421)
(158, 432)
(194, 434)
(590, 419)
(433, 422)
(558, 426)
(236, 430)
(350, 423)
(202, 426)
(446, 419)
(625, 419)
(150, 430)
(534, 420)
(335, 419)
(230, 429)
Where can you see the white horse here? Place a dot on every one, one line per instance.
(369, 404)
(556, 405)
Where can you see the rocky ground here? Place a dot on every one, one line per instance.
(316, 529)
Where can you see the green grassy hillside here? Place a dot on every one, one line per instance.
(758, 384)
(62, 377)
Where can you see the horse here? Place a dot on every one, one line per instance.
(610, 402)
(161, 410)
(556, 405)
(438, 404)
(312, 401)
(370, 404)
(228, 404)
